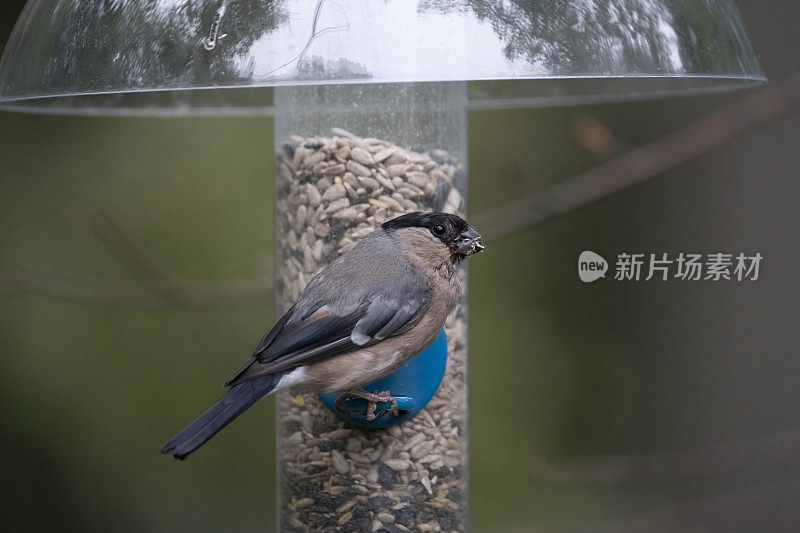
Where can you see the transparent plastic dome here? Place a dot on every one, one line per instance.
(119, 56)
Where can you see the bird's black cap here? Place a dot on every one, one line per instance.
(445, 226)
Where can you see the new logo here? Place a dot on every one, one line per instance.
(591, 266)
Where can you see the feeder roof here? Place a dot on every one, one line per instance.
(223, 56)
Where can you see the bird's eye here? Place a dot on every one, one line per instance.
(438, 230)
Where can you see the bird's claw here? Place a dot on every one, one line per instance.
(372, 401)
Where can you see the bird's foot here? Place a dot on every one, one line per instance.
(372, 401)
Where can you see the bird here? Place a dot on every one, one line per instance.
(360, 318)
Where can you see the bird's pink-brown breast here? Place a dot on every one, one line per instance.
(363, 366)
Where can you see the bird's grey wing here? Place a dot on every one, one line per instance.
(266, 340)
(323, 329)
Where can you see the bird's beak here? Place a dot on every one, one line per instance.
(469, 242)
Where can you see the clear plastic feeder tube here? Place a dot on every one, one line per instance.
(350, 157)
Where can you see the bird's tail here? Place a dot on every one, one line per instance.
(235, 402)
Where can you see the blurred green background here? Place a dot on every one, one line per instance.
(611, 406)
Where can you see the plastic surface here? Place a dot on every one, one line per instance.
(154, 57)
(413, 385)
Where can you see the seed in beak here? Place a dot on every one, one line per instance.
(469, 242)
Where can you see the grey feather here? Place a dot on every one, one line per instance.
(235, 402)
(369, 294)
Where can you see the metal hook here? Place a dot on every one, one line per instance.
(210, 42)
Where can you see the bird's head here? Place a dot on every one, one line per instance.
(440, 231)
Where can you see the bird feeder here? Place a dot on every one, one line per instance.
(370, 103)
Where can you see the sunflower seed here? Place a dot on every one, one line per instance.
(362, 156)
(340, 464)
(336, 205)
(358, 169)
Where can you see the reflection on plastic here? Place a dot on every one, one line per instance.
(68, 48)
